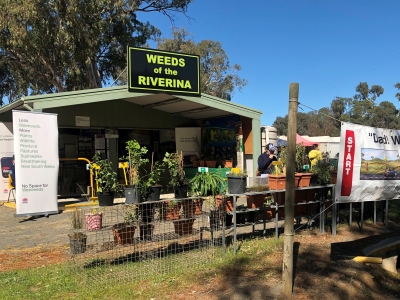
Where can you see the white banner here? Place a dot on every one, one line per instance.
(6, 153)
(188, 140)
(369, 164)
(36, 162)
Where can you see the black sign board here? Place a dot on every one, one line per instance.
(153, 71)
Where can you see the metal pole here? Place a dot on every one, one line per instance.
(287, 269)
(234, 224)
(351, 214)
(362, 216)
(374, 212)
(334, 216)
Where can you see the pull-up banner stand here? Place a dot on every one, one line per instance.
(36, 162)
(369, 164)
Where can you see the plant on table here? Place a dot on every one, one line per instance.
(206, 184)
(322, 172)
(105, 176)
(152, 179)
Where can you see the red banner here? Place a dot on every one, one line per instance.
(348, 163)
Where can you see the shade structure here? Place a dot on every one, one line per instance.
(305, 142)
(299, 140)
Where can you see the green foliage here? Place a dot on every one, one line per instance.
(301, 157)
(152, 178)
(322, 170)
(217, 77)
(104, 174)
(135, 160)
(174, 164)
(359, 109)
(206, 183)
(57, 46)
(131, 213)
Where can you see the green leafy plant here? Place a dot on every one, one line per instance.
(135, 161)
(174, 164)
(131, 214)
(322, 172)
(206, 184)
(301, 157)
(104, 174)
(153, 177)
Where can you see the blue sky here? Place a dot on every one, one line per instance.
(328, 47)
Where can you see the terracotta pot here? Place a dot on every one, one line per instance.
(195, 163)
(202, 163)
(278, 182)
(255, 201)
(211, 163)
(169, 211)
(228, 164)
(198, 206)
(123, 233)
(228, 203)
(305, 179)
(184, 226)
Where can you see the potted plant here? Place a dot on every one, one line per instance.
(174, 164)
(135, 162)
(124, 232)
(322, 172)
(237, 181)
(106, 179)
(151, 189)
(94, 220)
(206, 184)
(184, 225)
(170, 210)
(77, 239)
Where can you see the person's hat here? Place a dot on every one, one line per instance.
(270, 147)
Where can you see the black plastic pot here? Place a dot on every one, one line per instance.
(77, 243)
(236, 184)
(180, 191)
(228, 220)
(147, 212)
(132, 194)
(154, 192)
(106, 199)
(215, 219)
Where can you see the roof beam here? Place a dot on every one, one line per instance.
(162, 103)
(192, 111)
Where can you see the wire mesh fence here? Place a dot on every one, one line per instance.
(128, 242)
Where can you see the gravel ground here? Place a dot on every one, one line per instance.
(24, 232)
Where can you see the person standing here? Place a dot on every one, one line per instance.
(265, 160)
(12, 172)
(314, 155)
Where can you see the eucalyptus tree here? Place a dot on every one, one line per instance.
(65, 45)
(217, 76)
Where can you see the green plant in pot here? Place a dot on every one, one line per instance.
(151, 189)
(174, 164)
(135, 160)
(321, 173)
(124, 232)
(106, 179)
(206, 184)
(184, 225)
(77, 239)
(237, 181)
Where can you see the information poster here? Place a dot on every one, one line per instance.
(6, 153)
(36, 162)
(369, 164)
(188, 140)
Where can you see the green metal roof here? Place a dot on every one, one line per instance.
(193, 107)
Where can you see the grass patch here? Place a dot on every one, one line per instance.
(62, 281)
